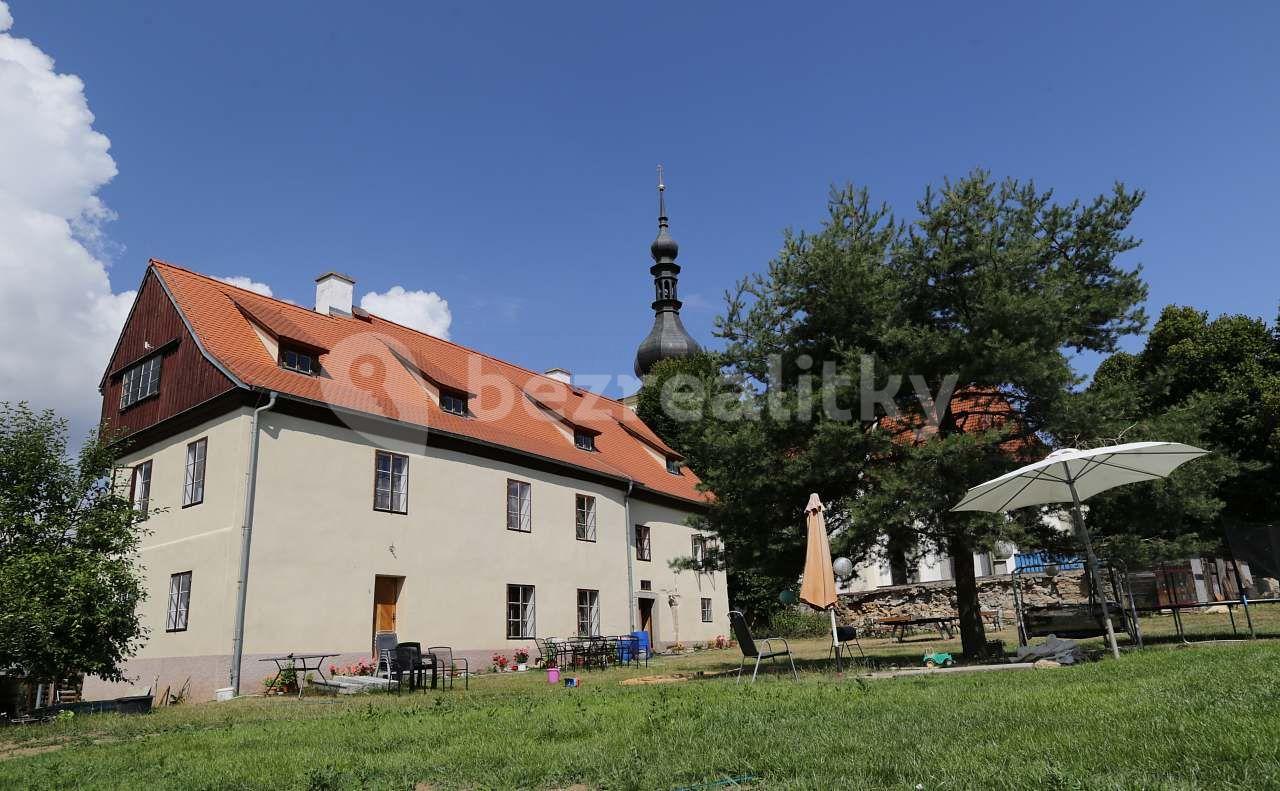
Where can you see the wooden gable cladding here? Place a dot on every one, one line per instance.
(187, 378)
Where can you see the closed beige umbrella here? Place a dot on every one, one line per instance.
(818, 581)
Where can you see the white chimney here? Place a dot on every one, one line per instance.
(560, 375)
(334, 291)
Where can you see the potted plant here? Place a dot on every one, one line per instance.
(522, 659)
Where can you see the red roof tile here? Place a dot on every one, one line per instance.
(364, 369)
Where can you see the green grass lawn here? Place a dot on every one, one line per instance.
(1199, 717)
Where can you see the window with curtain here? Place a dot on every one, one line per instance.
(706, 610)
(193, 481)
(519, 507)
(588, 613)
(179, 602)
(585, 518)
(521, 623)
(391, 482)
(141, 487)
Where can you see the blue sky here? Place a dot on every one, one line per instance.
(504, 157)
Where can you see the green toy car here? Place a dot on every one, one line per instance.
(939, 659)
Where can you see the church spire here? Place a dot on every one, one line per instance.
(668, 338)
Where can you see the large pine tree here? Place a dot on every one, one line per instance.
(991, 288)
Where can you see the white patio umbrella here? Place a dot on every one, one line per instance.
(1071, 476)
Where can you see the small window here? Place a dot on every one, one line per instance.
(646, 585)
(179, 602)
(585, 518)
(141, 381)
(455, 403)
(193, 481)
(519, 507)
(673, 465)
(643, 551)
(584, 439)
(390, 482)
(140, 489)
(706, 611)
(520, 612)
(298, 360)
(588, 613)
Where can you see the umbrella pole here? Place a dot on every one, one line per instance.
(1091, 560)
(835, 644)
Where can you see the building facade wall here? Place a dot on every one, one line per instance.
(318, 545)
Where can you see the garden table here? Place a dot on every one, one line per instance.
(945, 624)
(300, 664)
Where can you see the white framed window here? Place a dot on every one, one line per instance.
(585, 518)
(140, 381)
(193, 481)
(390, 482)
(521, 621)
(643, 549)
(519, 506)
(706, 610)
(588, 613)
(297, 360)
(673, 465)
(454, 403)
(140, 487)
(179, 602)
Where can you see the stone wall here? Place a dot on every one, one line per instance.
(936, 599)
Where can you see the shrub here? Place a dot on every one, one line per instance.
(799, 622)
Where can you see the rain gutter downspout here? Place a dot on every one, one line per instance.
(628, 533)
(246, 539)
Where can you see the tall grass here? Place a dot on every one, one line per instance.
(1195, 718)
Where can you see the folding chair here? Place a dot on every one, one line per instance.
(747, 643)
(841, 637)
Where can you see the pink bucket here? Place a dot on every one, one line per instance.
(553, 675)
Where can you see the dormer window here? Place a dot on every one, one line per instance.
(584, 440)
(673, 465)
(294, 359)
(140, 381)
(453, 403)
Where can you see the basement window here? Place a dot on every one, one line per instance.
(297, 360)
(453, 403)
(584, 440)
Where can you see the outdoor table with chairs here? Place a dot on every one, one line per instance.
(592, 652)
(299, 665)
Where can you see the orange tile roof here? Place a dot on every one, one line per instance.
(362, 370)
(974, 410)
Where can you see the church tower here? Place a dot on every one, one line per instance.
(668, 338)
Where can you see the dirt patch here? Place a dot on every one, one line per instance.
(676, 678)
(21, 752)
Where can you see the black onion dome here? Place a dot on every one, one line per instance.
(664, 246)
(667, 339)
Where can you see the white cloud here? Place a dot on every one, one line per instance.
(247, 283)
(423, 310)
(59, 317)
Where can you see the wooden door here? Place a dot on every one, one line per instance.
(386, 590)
(646, 617)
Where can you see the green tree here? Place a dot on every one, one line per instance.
(68, 544)
(989, 288)
(1212, 383)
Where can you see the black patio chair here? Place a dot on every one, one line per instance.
(840, 640)
(742, 633)
(447, 666)
(410, 661)
(384, 646)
